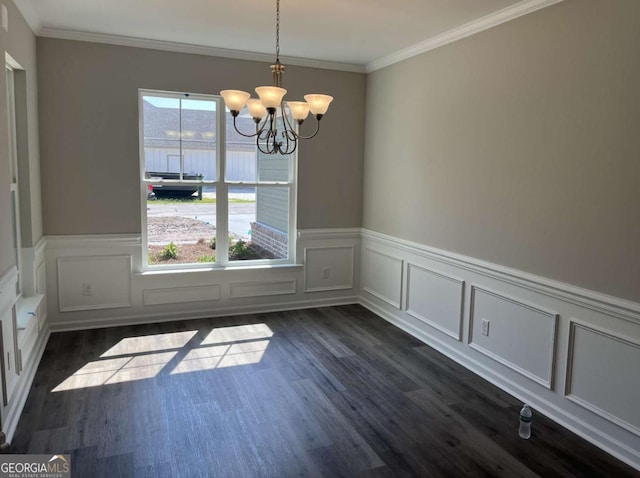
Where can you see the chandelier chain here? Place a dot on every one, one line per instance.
(278, 31)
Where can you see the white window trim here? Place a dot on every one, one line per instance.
(222, 198)
(10, 66)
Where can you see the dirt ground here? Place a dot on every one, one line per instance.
(187, 253)
(180, 230)
(191, 237)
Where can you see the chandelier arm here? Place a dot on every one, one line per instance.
(294, 136)
(268, 136)
(291, 141)
(290, 151)
(260, 148)
(288, 140)
(314, 134)
(235, 126)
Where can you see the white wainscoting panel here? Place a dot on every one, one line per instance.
(527, 350)
(8, 288)
(382, 276)
(241, 290)
(603, 374)
(435, 299)
(109, 278)
(41, 288)
(328, 268)
(521, 336)
(175, 295)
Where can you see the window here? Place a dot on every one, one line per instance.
(13, 168)
(209, 196)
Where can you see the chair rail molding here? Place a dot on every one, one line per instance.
(532, 346)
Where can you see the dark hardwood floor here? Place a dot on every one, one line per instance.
(321, 392)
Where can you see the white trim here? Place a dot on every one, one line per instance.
(573, 324)
(110, 305)
(40, 247)
(397, 304)
(8, 277)
(548, 383)
(596, 301)
(29, 13)
(179, 295)
(155, 317)
(23, 387)
(8, 289)
(243, 290)
(11, 62)
(476, 26)
(457, 336)
(582, 428)
(194, 49)
(88, 241)
(350, 281)
(322, 234)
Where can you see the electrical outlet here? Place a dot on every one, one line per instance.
(485, 327)
(325, 272)
(86, 289)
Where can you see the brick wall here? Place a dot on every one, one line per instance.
(270, 239)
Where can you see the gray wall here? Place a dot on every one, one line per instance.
(519, 146)
(89, 132)
(20, 43)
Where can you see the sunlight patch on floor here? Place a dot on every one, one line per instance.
(144, 357)
(220, 356)
(150, 343)
(123, 369)
(238, 332)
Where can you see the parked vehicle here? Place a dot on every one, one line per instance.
(162, 191)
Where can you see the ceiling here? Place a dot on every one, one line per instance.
(357, 33)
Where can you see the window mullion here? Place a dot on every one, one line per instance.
(222, 190)
(181, 138)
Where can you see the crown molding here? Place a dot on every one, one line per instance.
(193, 49)
(494, 19)
(489, 21)
(29, 13)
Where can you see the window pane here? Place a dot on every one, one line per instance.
(199, 139)
(241, 151)
(273, 167)
(161, 118)
(258, 223)
(182, 230)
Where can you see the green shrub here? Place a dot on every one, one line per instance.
(212, 243)
(211, 258)
(241, 251)
(169, 252)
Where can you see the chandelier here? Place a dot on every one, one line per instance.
(264, 110)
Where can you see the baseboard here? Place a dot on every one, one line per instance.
(541, 405)
(24, 386)
(139, 319)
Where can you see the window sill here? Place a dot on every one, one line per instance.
(27, 310)
(191, 270)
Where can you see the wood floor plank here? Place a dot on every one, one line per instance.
(326, 392)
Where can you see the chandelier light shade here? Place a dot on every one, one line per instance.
(270, 105)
